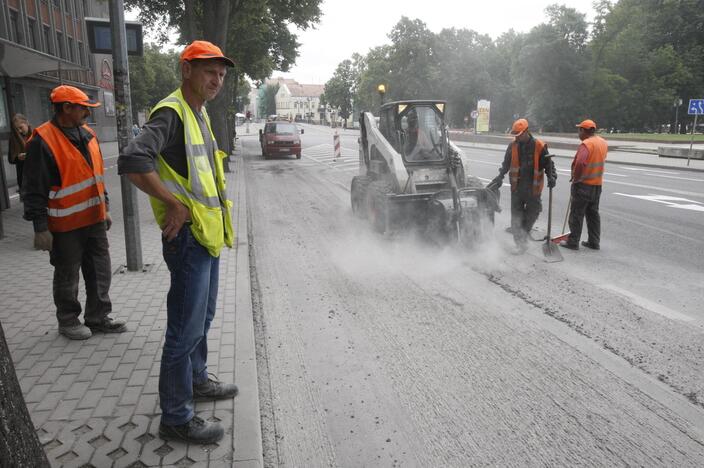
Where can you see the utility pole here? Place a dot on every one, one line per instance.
(123, 111)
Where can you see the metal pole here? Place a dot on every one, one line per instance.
(123, 111)
(691, 141)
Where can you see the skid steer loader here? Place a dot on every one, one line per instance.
(412, 177)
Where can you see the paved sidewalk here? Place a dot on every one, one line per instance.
(94, 403)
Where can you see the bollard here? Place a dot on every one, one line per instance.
(336, 144)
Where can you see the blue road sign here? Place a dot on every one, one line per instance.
(696, 107)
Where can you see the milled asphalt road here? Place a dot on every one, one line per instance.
(381, 351)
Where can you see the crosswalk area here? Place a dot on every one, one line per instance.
(324, 154)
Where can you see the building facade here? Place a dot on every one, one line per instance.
(44, 43)
(299, 102)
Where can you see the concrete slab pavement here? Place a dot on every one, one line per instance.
(94, 403)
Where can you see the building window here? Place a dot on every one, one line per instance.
(61, 45)
(57, 3)
(48, 40)
(67, 6)
(16, 27)
(81, 60)
(33, 34)
(71, 57)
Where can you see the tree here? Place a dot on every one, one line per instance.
(19, 444)
(152, 76)
(340, 88)
(254, 33)
(267, 103)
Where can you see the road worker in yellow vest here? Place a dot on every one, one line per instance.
(528, 164)
(587, 179)
(65, 198)
(176, 161)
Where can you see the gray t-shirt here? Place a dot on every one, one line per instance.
(162, 134)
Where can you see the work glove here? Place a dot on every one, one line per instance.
(43, 240)
(496, 183)
(108, 221)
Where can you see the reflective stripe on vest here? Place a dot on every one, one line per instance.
(537, 172)
(203, 191)
(593, 173)
(80, 199)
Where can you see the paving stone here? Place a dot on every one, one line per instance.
(63, 382)
(123, 371)
(130, 396)
(97, 358)
(88, 374)
(63, 410)
(146, 404)
(49, 402)
(37, 393)
(91, 399)
(26, 383)
(75, 366)
(110, 364)
(77, 390)
(106, 406)
(131, 356)
(116, 387)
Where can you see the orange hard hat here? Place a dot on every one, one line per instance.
(587, 124)
(71, 94)
(518, 127)
(204, 50)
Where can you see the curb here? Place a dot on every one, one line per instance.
(247, 435)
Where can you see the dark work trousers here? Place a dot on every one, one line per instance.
(585, 203)
(85, 249)
(525, 209)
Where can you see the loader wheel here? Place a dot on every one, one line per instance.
(358, 195)
(377, 205)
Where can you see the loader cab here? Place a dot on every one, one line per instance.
(416, 130)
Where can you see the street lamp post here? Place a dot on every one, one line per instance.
(677, 104)
(382, 90)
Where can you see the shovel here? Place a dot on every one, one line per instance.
(550, 250)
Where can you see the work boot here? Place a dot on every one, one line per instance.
(75, 332)
(108, 325)
(590, 245)
(195, 431)
(569, 245)
(213, 390)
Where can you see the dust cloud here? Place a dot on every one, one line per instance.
(359, 252)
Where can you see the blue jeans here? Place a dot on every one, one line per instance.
(190, 307)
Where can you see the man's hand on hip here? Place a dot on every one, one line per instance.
(43, 240)
(176, 215)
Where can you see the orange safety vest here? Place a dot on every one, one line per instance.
(537, 172)
(594, 171)
(80, 199)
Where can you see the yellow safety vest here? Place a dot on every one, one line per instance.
(204, 191)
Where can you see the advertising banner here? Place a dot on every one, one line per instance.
(483, 109)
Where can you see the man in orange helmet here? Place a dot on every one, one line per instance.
(527, 162)
(587, 178)
(65, 198)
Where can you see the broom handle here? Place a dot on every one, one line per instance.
(567, 213)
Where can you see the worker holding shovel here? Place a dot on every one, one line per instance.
(528, 163)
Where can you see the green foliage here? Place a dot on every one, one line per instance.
(152, 77)
(624, 72)
(267, 103)
(340, 88)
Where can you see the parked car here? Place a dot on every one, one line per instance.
(280, 139)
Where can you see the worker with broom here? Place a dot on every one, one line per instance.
(528, 163)
(587, 178)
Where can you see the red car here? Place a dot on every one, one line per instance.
(280, 139)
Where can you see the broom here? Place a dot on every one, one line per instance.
(559, 238)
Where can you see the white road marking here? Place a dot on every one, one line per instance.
(661, 189)
(668, 201)
(648, 170)
(648, 304)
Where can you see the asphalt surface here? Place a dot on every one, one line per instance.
(375, 351)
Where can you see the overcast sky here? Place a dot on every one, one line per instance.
(349, 26)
